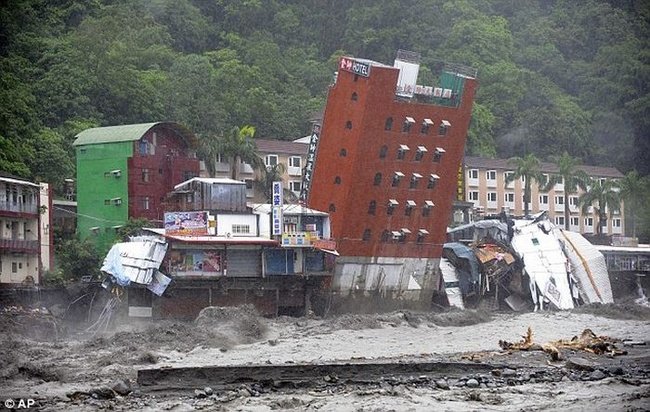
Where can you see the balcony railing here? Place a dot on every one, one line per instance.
(17, 207)
(19, 245)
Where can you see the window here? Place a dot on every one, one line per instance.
(437, 155)
(377, 181)
(543, 199)
(385, 235)
(389, 124)
(426, 125)
(14, 267)
(240, 229)
(144, 203)
(372, 207)
(426, 209)
(145, 175)
(575, 221)
(559, 200)
(616, 222)
(491, 196)
(383, 151)
(366, 234)
(144, 147)
(410, 205)
(415, 178)
(509, 197)
(559, 220)
(397, 177)
(337, 180)
(506, 176)
(390, 208)
(408, 122)
(403, 233)
(355, 96)
(473, 196)
(343, 153)
(444, 127)
(589, 221)
(422, 233)
(332, 207)
(271, 160)
(401, 152)
(295, 161)
(295, 186)
(472, 174)
(491, 175)
(433, 179)
(348, 124)
(420, 153)
(573, 201)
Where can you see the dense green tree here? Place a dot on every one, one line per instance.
(526, 168)
(603, 196)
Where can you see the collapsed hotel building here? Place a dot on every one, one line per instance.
(384, 166)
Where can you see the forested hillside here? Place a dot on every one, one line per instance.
(554, 75)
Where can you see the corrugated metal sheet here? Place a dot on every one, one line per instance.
(135, 261)
(589, 267)
(544, 262)
(129, 132)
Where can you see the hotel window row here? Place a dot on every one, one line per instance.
(397, 236)
(403, 149)
(425, 127)
(410, 206)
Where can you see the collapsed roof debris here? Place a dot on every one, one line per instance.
(136, 261)
(520, 262)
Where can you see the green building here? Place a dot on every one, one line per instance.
(126, 171)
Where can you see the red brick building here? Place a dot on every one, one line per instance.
(386, 171)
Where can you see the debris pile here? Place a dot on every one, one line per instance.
(136, 261)
(522, 262)
(587, 341)
(35, 323)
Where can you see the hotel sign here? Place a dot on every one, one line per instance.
(276, 208)
(353, 66)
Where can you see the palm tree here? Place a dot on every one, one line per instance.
(237, 146)
(264, 183)
(528, 168)
(603, 196)
(572, 177)
(633, 189)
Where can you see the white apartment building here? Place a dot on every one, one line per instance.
(484, 184)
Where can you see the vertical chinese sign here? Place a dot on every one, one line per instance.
(276, 209)
(309, 164)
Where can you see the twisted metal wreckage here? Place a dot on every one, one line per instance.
(136, 261)
(519, 262)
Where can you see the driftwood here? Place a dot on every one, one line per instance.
(587, 341)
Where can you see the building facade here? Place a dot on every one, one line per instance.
(20, 231)
(125, 172)
(386, 170)
(291, 154)
(485, 187)
(232, 256)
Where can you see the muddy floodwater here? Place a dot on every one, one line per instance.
(64, 368)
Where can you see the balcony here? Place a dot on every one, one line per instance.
(30, 246)
(18, 207)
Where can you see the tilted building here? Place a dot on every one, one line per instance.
(385, 169)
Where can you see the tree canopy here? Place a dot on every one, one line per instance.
(554, 76)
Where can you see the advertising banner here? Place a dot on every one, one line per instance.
(186, 223)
